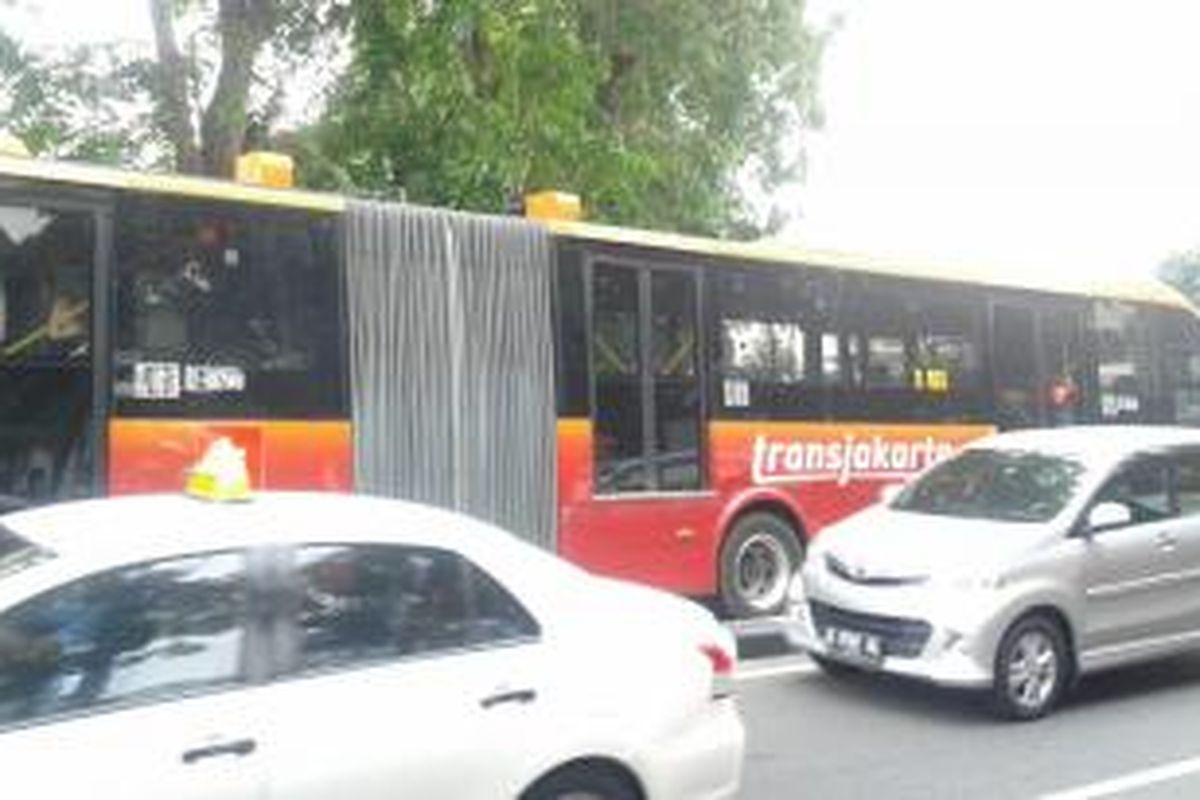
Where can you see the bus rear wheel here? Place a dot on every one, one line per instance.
(758, 559)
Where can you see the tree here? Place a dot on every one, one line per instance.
(78, 104)
(664, 113)
(208, 137)
(1182, 271)
(192, 104)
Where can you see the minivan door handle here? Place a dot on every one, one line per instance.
(509, 696)
(1165, 541)
(241, 747)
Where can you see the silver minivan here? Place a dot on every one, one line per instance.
(1024, 561)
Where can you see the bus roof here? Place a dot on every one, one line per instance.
(1139, 290)
(87, 175)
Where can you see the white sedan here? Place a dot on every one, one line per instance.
(320, 646)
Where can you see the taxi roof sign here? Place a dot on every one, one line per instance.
(220, 474)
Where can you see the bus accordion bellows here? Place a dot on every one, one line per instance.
(682, 411)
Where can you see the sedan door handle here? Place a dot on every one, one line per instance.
(1166, 541)
(518, 696)
(241, 747)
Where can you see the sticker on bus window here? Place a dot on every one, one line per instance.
(213, 379)
(156, 380)
(737, 393)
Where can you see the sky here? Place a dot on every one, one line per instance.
(1029, 134)
(1041, 134)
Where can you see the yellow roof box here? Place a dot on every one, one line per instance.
(220, 474)
(261, 168)
(553, 206)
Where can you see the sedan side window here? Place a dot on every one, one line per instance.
(134, 634)
(1142, 488)
(362, 603)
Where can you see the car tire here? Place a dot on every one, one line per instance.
(758, 559)
(1032, 668)
(585, 782)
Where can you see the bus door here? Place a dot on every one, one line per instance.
(649, 513)
(1015, 381)
(48, 412)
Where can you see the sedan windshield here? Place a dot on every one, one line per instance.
(1002, 485)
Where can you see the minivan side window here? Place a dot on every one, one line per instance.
(137, 634)
(1142, 488)
(362, 603)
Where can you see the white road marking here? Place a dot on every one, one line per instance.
(779, 670)
(1125, 783)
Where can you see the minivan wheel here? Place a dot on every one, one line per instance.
(758, 559)
(1031, 668)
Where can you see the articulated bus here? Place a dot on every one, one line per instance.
(680, 411)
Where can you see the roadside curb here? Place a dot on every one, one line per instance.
(760, 638)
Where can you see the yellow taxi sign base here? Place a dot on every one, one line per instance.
(208, 487)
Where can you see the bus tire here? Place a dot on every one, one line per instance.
(758, 559)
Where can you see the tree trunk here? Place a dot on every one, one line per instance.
(244, 27)
(171, 92)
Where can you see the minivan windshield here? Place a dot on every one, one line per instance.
(1002, 485)
(17, 553)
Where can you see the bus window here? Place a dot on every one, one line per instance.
(617, 380)
(947, 367)
(46, 431)
(1068, 393)
(1180, 346)
(226, 311)
(755, 350)
(1123, 371)
(1016, 383)
(887, 363)
(673, 343)
(646, 379)
(877, 353)
(773, 344)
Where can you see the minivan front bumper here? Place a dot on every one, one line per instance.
(943, 637)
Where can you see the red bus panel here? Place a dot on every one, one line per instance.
(820, 472)
(155, 455)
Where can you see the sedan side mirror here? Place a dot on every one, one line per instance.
(1105, 516)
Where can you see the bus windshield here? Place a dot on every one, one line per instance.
(1001, 485)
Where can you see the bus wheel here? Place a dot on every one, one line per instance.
(758, 559)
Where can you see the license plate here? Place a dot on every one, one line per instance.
(855, 645)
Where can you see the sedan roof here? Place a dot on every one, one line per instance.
(141, 527)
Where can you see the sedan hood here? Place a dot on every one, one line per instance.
(887, 545)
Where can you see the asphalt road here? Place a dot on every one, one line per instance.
(1133, 733)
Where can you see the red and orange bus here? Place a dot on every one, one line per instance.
(681, 411)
